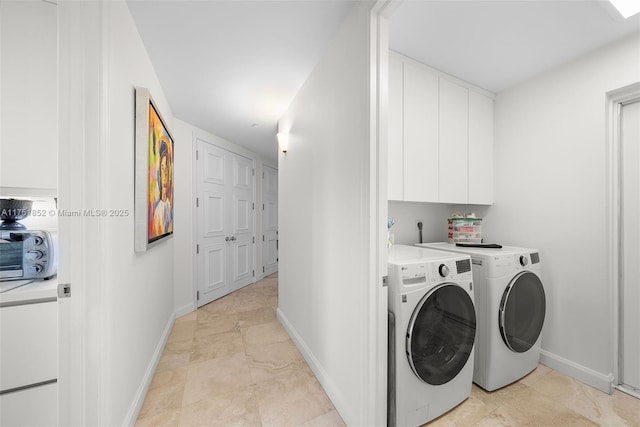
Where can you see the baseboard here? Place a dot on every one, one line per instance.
(333, 392)
(185, 309)
(136, 405)
(603, 382)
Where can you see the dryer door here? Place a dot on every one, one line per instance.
(441, 333)
(522, 311)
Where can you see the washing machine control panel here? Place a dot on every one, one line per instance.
(413, 271)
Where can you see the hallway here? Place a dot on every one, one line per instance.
(231, 363)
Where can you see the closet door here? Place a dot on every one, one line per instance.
(224, 222)
(269, 220)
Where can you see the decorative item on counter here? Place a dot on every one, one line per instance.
(467, 228)
(12, 211)
(455, 215)
(390, 222)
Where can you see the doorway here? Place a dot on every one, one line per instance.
(624, 106)
(630, 247)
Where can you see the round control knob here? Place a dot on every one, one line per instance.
(33, 255)
(443, 270)
(524, 260)
(37, 268)
(37, 240)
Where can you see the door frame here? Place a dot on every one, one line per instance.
(614, 101)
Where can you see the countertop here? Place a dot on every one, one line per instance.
(37, 291)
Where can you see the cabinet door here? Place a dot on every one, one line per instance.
(28, 344)
(454, 123)
(36, 406)
(420, 134)
(395, 190)
(480, 149)
(29, 104)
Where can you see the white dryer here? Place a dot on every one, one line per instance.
(511, 306)
(432, 326)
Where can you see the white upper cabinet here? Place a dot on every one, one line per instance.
(440, 136)
(480, 149)
(420, 134)
(28, 101)
(453, 143)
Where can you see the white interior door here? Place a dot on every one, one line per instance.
(630, 292)
(242, 236)
(269, 220)
(224, 222)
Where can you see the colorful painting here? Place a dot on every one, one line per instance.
(160, 209)
(154, 160)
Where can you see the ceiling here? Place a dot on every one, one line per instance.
(232, 67)
(496, 44)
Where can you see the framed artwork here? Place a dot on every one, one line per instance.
(154, 161)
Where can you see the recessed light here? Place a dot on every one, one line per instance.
(254, 125)
(626, 8)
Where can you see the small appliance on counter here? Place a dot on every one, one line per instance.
(25, 254)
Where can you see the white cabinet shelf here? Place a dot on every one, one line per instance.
(440, 136)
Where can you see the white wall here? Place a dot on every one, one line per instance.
(185, 219)
(323, 196)
(551, 194)
(121, 308)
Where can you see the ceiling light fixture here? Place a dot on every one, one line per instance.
(283, 140)
(626, 8)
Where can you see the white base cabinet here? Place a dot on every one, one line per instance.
(28, 363)
(36, 406)
(440, 136)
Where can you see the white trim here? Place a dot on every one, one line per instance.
(83, 33)
(613, 101)
(333, 392)
(184, 310)
(194, 219)
(375, 388)
(143, 388)
(603, 382)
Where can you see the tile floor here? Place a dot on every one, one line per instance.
(231, 363)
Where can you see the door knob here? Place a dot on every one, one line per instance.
(226, 239)
(233, 238)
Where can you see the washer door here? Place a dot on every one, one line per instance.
(522, 311)
(441, 333)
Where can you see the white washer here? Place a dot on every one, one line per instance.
(511, 306)
(432, 325)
